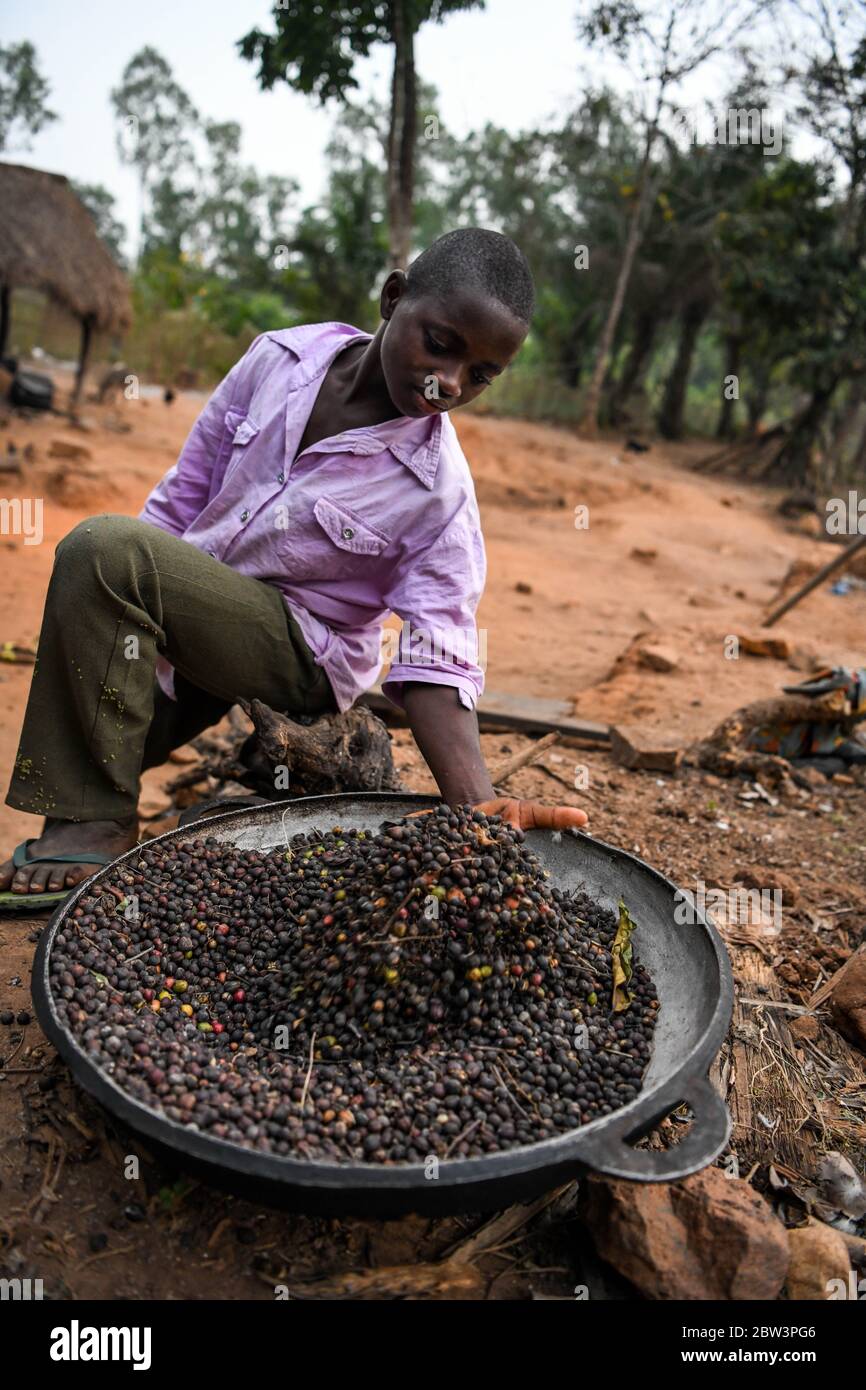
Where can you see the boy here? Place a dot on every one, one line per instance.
(322, 487)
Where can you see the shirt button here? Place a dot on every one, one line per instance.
(348, 533)
(281, 477)
(245, 516)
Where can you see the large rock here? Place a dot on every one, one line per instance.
(818, 1254)
(706, 1237)
(848, 1002)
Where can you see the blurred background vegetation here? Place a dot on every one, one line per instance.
(667, 266)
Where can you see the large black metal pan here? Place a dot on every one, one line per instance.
(688, 963)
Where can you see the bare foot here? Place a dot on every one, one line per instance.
(68, 837)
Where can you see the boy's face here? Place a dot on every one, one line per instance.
(437, 355)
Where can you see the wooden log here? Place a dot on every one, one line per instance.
(348, 752)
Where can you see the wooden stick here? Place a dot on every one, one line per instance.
(504, 770)
(830, 568)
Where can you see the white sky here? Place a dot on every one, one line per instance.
(512, 63)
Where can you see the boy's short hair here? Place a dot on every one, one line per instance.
(485, 260)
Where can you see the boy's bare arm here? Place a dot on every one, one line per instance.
(447, 735)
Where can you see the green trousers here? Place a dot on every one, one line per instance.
(123, 592)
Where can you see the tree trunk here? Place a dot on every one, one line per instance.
(670, 417)
(401, 139)
(795, 459)
(635, 365)
(592, 400)
(571, 356)
(5, 317)
(733, 347)
(756, 400)
(847, 423)
(84, 353)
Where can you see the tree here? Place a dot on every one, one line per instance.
(666, 43)
(314, 50)
(340, 247)
(23, 94)
(793, 257)
(156, 121)
(102, 205)
(241, 215)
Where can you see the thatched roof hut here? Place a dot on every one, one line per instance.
(49, 242)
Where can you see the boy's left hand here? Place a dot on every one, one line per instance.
(532, 815)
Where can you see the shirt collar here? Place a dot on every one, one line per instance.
(414, 442)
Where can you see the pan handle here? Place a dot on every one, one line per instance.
(610, 1154)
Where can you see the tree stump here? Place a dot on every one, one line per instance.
(348, 752)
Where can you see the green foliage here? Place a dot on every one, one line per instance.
(155, 116)
(101, 206)
(340, 251)
(766, 253)
(315, 46)
(23, 94)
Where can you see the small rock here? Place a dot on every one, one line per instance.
(153, 804)
(658, 658)
(706, 1237)
(848, 1002)
(771, 880)
(818, 1254)
(646, 749)
(7, 1018)
(810, 525)
(185, 754)
(60, 448)
(777, 648)
(843, 1188)
(806, 1026)
(23, 1017)
(98, 1241)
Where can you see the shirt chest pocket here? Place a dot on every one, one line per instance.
(348, 539)
(237, 433)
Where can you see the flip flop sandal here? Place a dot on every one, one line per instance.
(16, 904)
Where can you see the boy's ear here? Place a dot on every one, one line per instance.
(393, 291)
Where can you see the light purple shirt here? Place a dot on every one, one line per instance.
(377, 520)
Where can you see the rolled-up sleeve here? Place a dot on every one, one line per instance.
(436, 595)
(185, 491)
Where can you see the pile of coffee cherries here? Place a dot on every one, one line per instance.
(421, 990)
